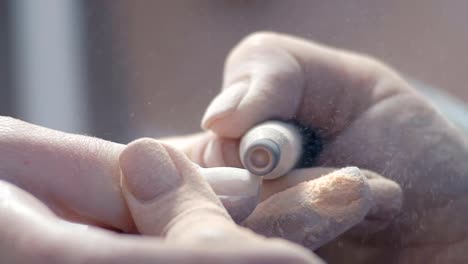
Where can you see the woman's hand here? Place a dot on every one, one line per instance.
(76, 178)
(367, 116)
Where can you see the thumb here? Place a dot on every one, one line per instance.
(165, 193)
(167, 196)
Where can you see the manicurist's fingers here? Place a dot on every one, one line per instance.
(270, 75)
(386, 195)
(314, 212)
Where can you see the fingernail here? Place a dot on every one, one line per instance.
(237, 189)
(225, 103)
(351, 171)
(228, 181)
(148, 170)
(387, 197)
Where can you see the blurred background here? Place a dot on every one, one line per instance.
(126, 69)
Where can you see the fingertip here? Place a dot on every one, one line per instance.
(325, 208)
(148, 170)
(136, 152)
(165, 192)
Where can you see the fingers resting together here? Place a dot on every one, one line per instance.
(167, 198)
(153, 189)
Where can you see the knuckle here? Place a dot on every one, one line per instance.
(373, 65)
(257, 40)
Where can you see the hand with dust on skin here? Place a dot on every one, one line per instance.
(49, 178)
(367, 116)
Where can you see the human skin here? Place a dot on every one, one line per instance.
(358, 125)
(367, 116)
(47, 175)
(180, 216)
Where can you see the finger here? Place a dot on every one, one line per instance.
(82, 174)
(237, 189)
(271, 75)
(207, 149)
(161, 185)
(142, 162)
(168, 197)
(386, 195)
(76, 176)
(31, 233)
(315, 212)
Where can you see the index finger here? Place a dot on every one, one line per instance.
(271, 75)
